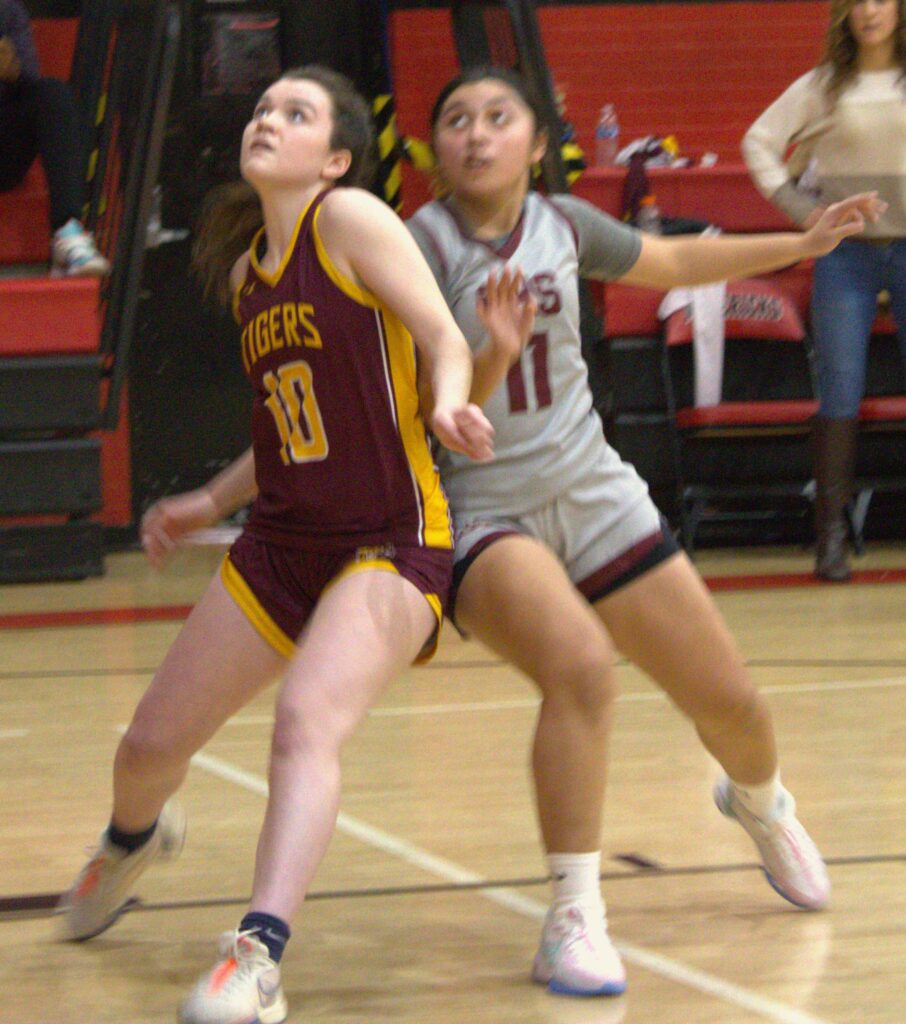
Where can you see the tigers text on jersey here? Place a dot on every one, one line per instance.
(341, 451)
(546, 430)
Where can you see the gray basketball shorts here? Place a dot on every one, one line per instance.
(605, 529)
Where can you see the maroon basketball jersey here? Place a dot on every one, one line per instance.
(341, 452)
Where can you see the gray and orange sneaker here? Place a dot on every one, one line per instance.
(102, 890)
(242, 987)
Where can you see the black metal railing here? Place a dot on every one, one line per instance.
(123, 71)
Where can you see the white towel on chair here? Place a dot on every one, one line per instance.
(707, 302)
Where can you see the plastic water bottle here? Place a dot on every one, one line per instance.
(649, 216)
(607, 137)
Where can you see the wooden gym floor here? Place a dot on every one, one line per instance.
(427, 908)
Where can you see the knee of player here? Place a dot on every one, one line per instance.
(145, 747)
(300, 729)
(737, 707)
(582, 679)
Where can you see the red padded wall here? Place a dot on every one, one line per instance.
(702, 71)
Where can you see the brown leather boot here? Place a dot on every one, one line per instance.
(834, 464)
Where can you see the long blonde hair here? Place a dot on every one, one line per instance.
(231, 213)
(841, 51)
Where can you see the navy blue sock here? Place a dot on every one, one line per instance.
(272, 931)
(129, 841)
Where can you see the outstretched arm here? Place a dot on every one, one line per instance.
(671, 262)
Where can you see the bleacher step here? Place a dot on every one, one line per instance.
(45, 316)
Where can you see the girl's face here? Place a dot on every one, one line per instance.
(287, 141)
(486, 139)
(873, 22)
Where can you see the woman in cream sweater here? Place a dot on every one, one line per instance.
(847, 119)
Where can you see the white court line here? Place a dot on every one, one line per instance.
(12, 734)
(626, 698)
(440, 867)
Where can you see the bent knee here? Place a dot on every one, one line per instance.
(739, 708)
(301, 729)
(584, 682)
(145, 749)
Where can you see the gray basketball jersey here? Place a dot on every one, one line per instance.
(546, 428)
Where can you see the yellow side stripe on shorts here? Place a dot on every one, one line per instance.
(242, 594)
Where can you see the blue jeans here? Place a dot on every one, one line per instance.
(845, 287)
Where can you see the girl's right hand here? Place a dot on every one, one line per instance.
(168, 521)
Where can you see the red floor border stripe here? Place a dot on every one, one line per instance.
(790, 580)
(176, 612)
(94, 617)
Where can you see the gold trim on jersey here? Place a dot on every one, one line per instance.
(272, 279)
(400, 354)
(344, 283)
(243, 595)
(411, 427)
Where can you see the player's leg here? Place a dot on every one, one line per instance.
(666, 622)
(217, 663)
(516, 598)
(366, 628)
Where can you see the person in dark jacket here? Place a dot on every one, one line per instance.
(38, 117)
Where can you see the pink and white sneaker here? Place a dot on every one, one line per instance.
(576, 956)
(790, 860)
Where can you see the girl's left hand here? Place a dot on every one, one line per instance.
(843, 219)
(464, 429)
(507, 310)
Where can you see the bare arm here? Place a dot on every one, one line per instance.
(368, 243)
(671, 262)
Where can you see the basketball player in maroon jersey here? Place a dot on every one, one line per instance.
(339, 577)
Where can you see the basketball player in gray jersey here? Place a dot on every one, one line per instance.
(560, 554)
(547, 433)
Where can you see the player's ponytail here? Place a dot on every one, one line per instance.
(230, 216)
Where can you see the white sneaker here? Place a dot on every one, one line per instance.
(791, 861)
(243, 987)
(74, 253)
(576, 956)
(102, 890)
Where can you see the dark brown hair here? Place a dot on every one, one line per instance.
(841, 51)
(231, 213)
(481, 73)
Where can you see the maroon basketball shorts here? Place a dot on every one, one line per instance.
(278, 587)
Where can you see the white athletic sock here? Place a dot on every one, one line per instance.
(767, 801)
(575, 878)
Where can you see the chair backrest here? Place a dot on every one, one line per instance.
(766, 351)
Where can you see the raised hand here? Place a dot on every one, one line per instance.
(507, 310)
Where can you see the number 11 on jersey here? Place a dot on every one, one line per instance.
(515, 379)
